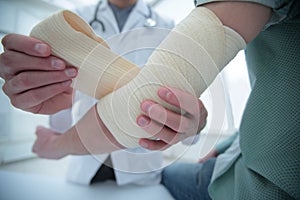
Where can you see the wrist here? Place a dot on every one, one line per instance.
(71, 144)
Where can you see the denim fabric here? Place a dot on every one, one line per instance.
(188, 180)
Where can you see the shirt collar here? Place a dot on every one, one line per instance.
(140, 7)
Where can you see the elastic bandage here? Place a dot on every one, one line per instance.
(189, 58)
(100, 70)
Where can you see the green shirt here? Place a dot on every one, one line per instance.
(268, 166)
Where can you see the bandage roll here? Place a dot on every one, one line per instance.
(73, 40)
(189, 59)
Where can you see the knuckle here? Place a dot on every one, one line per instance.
(13, 85)
(205, 114)
(158, 112)
(201, 107)
(185, 125)
(203, 124)
(55, 89)
(2, 56)
(19, 102)
(6, 39)
(34, 110)
(160, 115)
(5, 58)
(6, 62)
(5, 89)
(14, 101)
(21, 81)
(2, 66)
(34, 96)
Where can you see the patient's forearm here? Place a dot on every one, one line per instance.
(88, 136)
(246, 18)
(188, 59)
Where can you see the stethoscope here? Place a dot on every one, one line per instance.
(150, 22)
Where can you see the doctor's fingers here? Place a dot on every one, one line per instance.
(183, 100)
(25, 44)
(57, 103)
(33, 100)
(12, 63)
(175, 121)
(35, 79)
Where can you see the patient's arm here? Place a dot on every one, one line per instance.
(189, 58)
(88, 136)
(245, 18)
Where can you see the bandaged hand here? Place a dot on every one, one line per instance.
(173, 127)
(189, 59)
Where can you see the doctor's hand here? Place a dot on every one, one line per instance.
(49, 144)
(35, 81)
(171, 127)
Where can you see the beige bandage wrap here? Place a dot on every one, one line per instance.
(72, 39)
(189, 59)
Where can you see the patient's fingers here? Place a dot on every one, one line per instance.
(159, 131)
(182, 100)
(175, 121)
(155, 145)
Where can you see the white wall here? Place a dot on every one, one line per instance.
(17, 127)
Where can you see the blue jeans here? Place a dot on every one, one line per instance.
(188, 180)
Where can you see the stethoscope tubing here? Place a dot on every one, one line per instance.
(150, 22)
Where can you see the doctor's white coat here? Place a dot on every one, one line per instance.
(135, 43)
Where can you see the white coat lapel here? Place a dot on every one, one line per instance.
(107, 16)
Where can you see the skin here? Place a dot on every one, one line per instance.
(52, 145)
(25, 59)
(35, 81)
(30, 87)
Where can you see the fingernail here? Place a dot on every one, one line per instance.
(142, 121)
(165, 93)
(57, 64)
(144, 144)
(70, 72)
(41, 48)
(146, 105)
